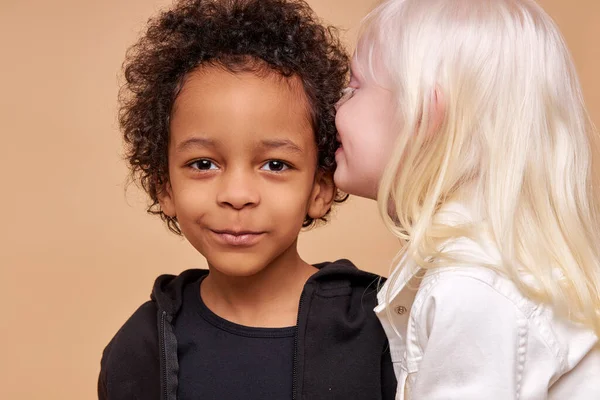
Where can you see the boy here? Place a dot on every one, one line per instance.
(227, 114)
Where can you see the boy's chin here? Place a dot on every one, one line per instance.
(237, 265)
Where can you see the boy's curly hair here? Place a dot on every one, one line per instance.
(284, 36)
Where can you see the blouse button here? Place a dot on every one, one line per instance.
(400, 310)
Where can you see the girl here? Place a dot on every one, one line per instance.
(466, 121)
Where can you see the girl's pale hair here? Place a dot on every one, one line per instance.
(515, 143)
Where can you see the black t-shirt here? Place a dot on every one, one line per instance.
(222, 360)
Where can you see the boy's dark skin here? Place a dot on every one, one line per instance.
(242, 177)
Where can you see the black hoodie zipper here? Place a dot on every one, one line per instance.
(163, 350)
(295, 369)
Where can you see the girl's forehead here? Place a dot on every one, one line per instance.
(355, 65)
(367, 64)
(361, 62)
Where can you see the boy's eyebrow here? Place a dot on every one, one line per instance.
(195, 142)
(284, 144)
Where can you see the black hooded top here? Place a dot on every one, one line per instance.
(341, 351)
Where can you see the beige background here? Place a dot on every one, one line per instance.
(78, 255)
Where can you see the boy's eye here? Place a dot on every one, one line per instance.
(203, 164)
(275, 166)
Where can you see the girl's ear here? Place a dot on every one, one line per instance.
(322, 195)
(437, 110)
(165, 199)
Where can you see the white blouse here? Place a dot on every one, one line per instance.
(468, 333)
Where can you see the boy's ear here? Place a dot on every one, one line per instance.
(322, 195)
(165, 199)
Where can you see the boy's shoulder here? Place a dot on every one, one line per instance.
(336, 319)
(133, 352)
(140, 331)
(343, 273)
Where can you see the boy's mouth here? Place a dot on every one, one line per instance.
(242, 238)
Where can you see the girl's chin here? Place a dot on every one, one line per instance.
(346, 185)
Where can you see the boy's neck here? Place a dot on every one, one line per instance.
(268, 299)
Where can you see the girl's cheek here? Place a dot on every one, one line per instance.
(346, 95)
(343, 121)
(341, 111)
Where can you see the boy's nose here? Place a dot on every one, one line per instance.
(238, 190)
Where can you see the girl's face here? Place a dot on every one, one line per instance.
(365, 123)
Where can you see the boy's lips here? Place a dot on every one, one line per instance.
(242, 238)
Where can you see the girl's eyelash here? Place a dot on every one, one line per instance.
(348, 91)
(347, 94)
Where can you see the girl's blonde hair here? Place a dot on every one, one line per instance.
(515, 143)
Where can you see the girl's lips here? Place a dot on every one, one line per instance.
(340, 145)
(237, 238)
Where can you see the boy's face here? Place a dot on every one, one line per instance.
(242, 168)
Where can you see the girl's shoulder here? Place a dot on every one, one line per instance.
(474, 283)
(477, 302)
(470, 327)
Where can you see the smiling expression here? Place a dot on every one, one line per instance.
(242, 167)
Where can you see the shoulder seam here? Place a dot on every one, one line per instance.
(529, 313)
